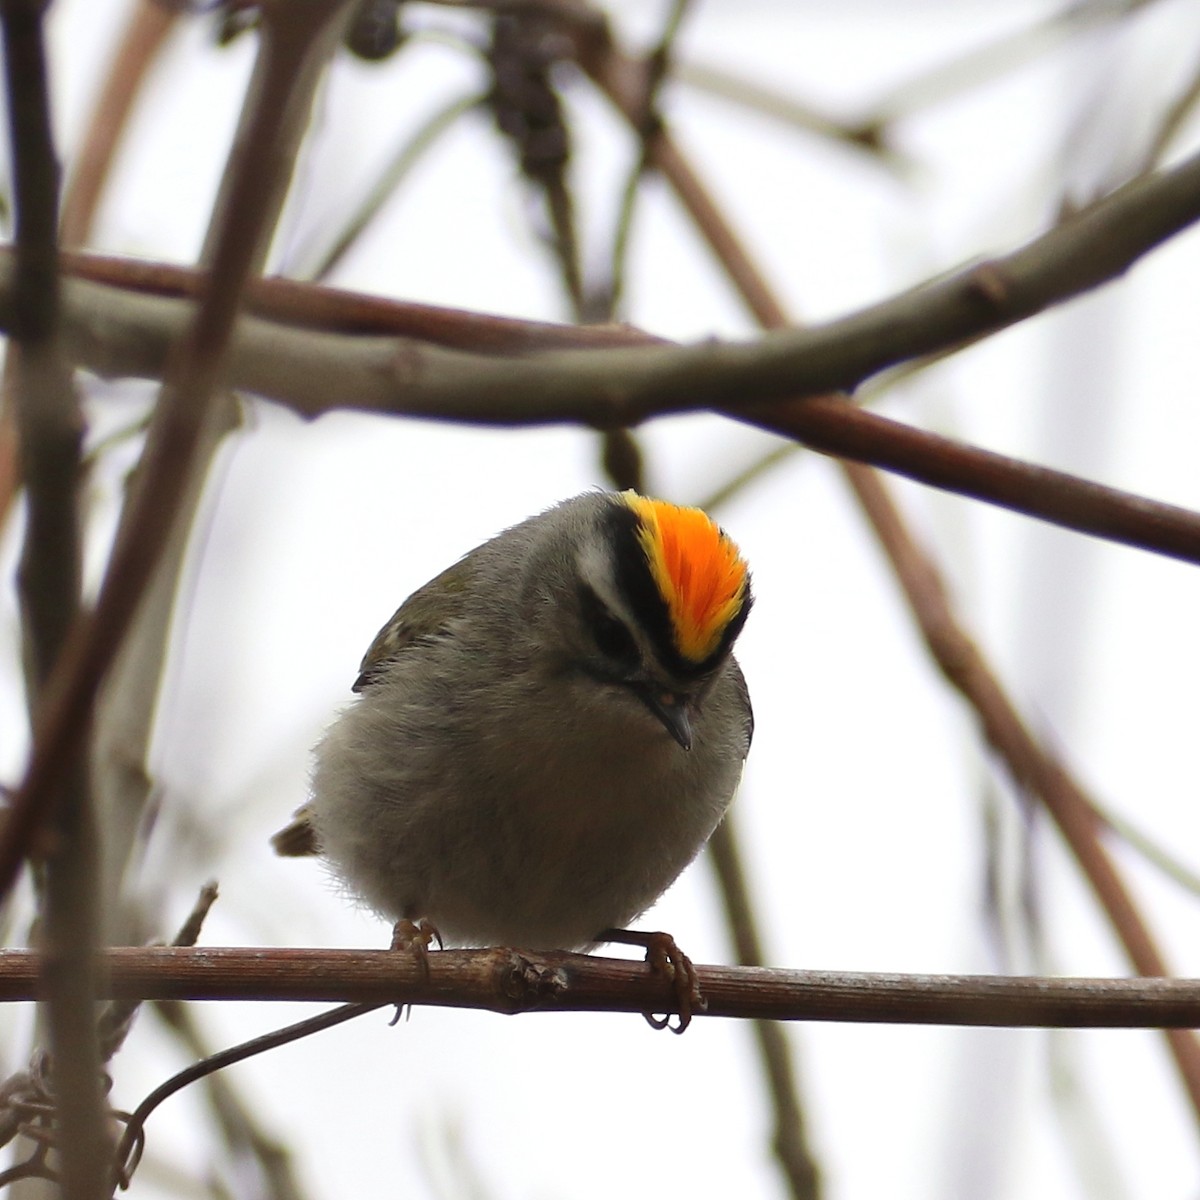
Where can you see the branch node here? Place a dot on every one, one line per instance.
(528, 984)
(987, 282)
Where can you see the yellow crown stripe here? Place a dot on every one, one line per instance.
(697, 569)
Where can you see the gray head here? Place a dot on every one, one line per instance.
(638, 594)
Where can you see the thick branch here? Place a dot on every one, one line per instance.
(1093, 247)
(294, 352)
(511, 981)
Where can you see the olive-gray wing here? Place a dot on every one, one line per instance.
(427, 613)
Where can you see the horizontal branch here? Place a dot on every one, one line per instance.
(510, 981)
(610, 387)
(317, 349)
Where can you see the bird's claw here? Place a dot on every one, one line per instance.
(664, 957)
(415, 938)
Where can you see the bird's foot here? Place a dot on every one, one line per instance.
(664, 957)
(415, 938)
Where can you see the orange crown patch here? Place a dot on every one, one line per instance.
(697, 569)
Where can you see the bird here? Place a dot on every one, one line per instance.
(545, 734)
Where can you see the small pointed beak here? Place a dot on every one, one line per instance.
(671, 709)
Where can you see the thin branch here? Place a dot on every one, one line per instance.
(737, 483)
(995, 59)
(1158, 856)
(415, 146)
(774, 1051)
(51, 428)
(295, 42)
(1172, 121)
(865, 136)
(129, 1152)
(147, 26)
(660, 64)
(50, 431)
(235, 1116)
(1032, 768)
(126, 718)
(1088, 249)
(116, 1018)
(512, 981)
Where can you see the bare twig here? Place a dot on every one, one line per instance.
(867, 137)
(659, 65)
(1173, 120)
(512, 981)
(1090, 248)
(1031, 766)
(790, 1141)
(397, 169)
(129, 1152)
(148, 24)
(125, 722)
(737, 483)
(1158, 856)
(116, 1019)
(996, 58)
(237, 1120)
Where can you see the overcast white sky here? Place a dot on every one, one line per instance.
(866, 797)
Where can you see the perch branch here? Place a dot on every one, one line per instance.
(512, 981)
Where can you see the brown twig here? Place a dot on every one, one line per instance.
(129, 1152)
(148, 24)
(1088, 249)
(1032, 768)
(512, 981)
(143, 37)
(116, 1018)
(125, 722)
(50, 432)
(294, 45)
(236, 1117)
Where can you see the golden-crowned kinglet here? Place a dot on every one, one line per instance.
(546, 733)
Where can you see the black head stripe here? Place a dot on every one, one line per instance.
(636, 583)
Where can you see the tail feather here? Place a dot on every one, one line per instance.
(298, 838)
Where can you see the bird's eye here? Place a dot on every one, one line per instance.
(612, 638)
